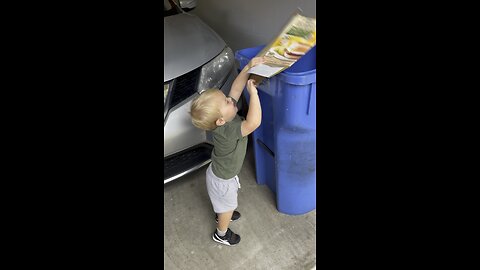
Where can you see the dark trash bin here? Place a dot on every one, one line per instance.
(285, 142)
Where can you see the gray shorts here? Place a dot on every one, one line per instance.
(222, 192)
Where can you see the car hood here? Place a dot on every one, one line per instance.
(188, 44)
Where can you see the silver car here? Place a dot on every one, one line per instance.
(195, 58)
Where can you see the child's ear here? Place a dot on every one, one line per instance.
(220, 122)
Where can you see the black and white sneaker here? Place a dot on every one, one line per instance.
(230, 238)
(235, 216)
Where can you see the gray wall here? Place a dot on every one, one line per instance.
(248, 23)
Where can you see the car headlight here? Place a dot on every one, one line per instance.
(188, 3)
(215, 73)
(166, 87)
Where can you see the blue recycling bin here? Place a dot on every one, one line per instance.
(285, 142)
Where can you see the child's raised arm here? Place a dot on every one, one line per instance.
(254, 115)
(239, 82)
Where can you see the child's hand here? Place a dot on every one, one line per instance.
(251, 87)
(256, 61)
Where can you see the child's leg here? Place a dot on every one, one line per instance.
(224, 220)
(223, 234)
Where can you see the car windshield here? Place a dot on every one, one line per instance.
(170, 8)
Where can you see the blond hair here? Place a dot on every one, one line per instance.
(204, 111)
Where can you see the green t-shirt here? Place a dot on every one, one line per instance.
(229, 149)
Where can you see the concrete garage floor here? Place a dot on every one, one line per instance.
(270, 239)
